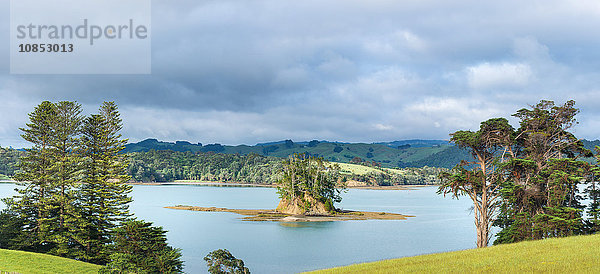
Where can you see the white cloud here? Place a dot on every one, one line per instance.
(493, 75)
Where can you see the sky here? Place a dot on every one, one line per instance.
(245, 72)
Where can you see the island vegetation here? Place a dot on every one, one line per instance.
(308, 190)
(274, 215)
(309, 186)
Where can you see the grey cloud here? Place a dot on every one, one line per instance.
(246, 72)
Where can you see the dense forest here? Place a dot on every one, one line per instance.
(9, 161)
(166, 165)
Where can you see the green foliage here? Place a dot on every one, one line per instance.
(221, 261)
(45, 201)
(308, 178)
(9, 162)
(481, 181)
(72, 192)
(103, 195)
(540, 195)
(140, 247)
(165, 166)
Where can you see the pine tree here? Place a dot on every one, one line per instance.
(46, 201)
(103, 193)
(32, 205)
(140, 247)
(66, 169)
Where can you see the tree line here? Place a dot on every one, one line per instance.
(527, 180)
(72, 198)
(167, 166)
(9, 161)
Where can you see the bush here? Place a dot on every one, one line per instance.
(140, 247)
(221, 261)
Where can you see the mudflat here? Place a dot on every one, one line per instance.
(272, 215)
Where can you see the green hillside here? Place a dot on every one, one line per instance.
(12, 261)
(433, 153)
(9, 159)
(579, 254)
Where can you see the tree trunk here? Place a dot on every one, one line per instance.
(482, 234)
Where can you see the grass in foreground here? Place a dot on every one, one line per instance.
(579, 254)
(12, 261)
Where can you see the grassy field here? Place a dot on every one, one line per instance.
(580, 254)
(25, 262)
(361, 170)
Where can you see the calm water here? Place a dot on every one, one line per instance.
(441, 224)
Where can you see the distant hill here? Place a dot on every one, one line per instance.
(406, 153)
(415, 143)
(591, 144)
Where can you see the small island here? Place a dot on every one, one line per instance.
(273, 215)
(308, 190)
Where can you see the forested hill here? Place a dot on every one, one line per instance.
(407, 153)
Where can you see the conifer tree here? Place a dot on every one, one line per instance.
(103, 193)
(32, 204)
(140, 247)
(66, 169)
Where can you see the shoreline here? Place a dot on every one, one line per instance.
(226, 184)
(274, 216)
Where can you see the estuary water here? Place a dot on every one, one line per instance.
(440, 224)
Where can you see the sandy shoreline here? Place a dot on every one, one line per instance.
(271, 215)
(201, 183)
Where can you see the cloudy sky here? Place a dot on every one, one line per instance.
(238, 72)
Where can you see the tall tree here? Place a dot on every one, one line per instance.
(540, 193)
(103, 193)
(46, 201)
(32, 205)
(65, 169)
(593, 192)
(481, 181)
